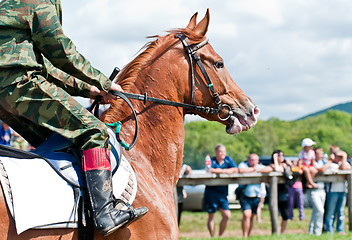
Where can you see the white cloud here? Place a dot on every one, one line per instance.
(267, 10)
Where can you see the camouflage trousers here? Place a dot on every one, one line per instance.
(36, 108)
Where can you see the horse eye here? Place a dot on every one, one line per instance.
(219, 64)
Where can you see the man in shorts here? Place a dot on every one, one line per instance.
(215, 197)
(251, 194)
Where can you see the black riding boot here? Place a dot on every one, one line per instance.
(97, 172)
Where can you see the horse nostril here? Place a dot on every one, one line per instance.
(256, 111)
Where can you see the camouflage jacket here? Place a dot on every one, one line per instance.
(31, 29)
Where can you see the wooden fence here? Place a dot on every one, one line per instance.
(272, 179)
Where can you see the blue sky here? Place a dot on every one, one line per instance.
(292, 57)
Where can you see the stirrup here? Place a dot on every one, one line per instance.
(133, 215)
(130, 209)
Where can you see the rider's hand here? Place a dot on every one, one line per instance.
(116, 87)
(109, 96)
(94, 92)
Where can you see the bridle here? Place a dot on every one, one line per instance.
(191, 50)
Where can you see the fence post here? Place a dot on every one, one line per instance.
(274, 212)
(349, 200)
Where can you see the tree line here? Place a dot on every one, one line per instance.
(333, 127)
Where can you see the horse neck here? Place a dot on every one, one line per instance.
(160, 142)
(159, 148)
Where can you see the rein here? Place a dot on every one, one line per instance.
(146, 99)
(191, 50)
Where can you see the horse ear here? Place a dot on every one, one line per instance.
(192, 23)
(202, 27)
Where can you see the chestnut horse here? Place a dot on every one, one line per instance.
(162, 70)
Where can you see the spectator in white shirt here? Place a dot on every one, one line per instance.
(336, 194)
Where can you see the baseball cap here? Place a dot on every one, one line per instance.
(307, 142)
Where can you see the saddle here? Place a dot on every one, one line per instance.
(44, 188)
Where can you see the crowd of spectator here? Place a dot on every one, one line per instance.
(328, 200)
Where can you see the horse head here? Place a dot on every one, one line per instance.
(237, 111)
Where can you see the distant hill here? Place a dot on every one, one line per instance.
(345, 107)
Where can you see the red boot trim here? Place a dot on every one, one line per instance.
(96, 159)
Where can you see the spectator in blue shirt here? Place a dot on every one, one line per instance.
(215, 197)
(5, 134)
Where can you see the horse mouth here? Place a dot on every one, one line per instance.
(236, 125)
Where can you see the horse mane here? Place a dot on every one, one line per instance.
(149, 53)
(151, 50)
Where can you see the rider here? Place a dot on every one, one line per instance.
(39, 71)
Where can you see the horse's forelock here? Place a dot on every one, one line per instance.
(192, 37)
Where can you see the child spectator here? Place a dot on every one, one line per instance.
(306, 162)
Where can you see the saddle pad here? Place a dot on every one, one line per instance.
(38, 197)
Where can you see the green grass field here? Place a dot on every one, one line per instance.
(193, 227)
